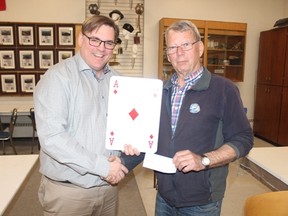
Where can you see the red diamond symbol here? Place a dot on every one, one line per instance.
(112, 133)
(115, 91)
(151, 136)
(133, 113)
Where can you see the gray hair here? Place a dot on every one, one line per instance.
(182, 26)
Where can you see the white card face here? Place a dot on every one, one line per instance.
(133, 113)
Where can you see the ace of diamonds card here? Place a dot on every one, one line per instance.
(133, 113)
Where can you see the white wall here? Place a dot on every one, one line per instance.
(258, 14)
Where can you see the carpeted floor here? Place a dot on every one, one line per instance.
(26, 201)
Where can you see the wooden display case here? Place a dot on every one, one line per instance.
(224, 52)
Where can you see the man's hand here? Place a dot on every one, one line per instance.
(187, 161)
(129, 150)
(117, 170)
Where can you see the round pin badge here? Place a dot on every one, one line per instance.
(194, 108)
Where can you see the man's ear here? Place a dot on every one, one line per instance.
(80, 39)
(201, 48)
(168, 57)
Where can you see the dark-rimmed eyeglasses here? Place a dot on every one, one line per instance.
(184, 47)
(96, 42)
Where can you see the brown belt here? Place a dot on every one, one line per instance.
(65, 182)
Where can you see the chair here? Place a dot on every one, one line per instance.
(7, 134)
(32, 116)
(268, 204)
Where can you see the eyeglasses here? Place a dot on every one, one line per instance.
(96, 42)
(184, 47)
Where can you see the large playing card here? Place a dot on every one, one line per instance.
(133, 113)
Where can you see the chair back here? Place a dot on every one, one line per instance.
(268, 204)
(13, 121)
(32, 116)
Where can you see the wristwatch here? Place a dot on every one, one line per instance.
(205, 161)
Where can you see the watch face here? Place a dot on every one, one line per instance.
(205, 161)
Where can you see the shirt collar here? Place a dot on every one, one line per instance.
(192, 77)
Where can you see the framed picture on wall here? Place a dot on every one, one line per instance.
(26, 35)
(66, 35)
(6, 35)
(7, 59)
(8, 83)
(26, 59)
(64, 54)
(46, 59)
(27, 83)
(46, 35)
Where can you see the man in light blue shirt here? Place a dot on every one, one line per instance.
(71, 102)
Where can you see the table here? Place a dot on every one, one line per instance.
(269, 165)
(14, 170)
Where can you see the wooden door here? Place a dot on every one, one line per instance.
(283, 127)
(267, 112)
(272, 56)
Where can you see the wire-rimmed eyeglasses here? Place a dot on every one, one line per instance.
(184, 47)
(96, 42)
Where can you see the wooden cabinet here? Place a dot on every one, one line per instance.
(267, 116)
(224, 52)
(271, 113)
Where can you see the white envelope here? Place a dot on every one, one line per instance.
(159, 163)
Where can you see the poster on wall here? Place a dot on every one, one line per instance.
(27, 83)
(8, 83)
(26, 59)
(6, 35)
(7, 59)
(26, 35)
(65, 36)
(46, 36)
(46, 59)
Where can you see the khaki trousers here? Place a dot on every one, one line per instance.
(66, 199)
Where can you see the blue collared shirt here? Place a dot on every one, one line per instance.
(71, 107)
(178, 94)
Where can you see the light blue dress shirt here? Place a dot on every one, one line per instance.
(71, 112)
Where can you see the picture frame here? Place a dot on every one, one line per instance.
(26, 59)
(46, 59)
(7, 35)
(8, 83)
(27, 82)
(26, 35)
(64, 54)
(7, 59)
(46, 35)
(66, 35)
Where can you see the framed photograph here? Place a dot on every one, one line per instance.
(8, 83)
(6, 35)
(26, 35)
(7, 59)
(27, 82)
(46, 35)
(26, 59)
(46, 59)
(64, 54)
(66, 35)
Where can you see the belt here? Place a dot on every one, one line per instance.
(65, 182)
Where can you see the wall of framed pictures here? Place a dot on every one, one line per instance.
(27, 50)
